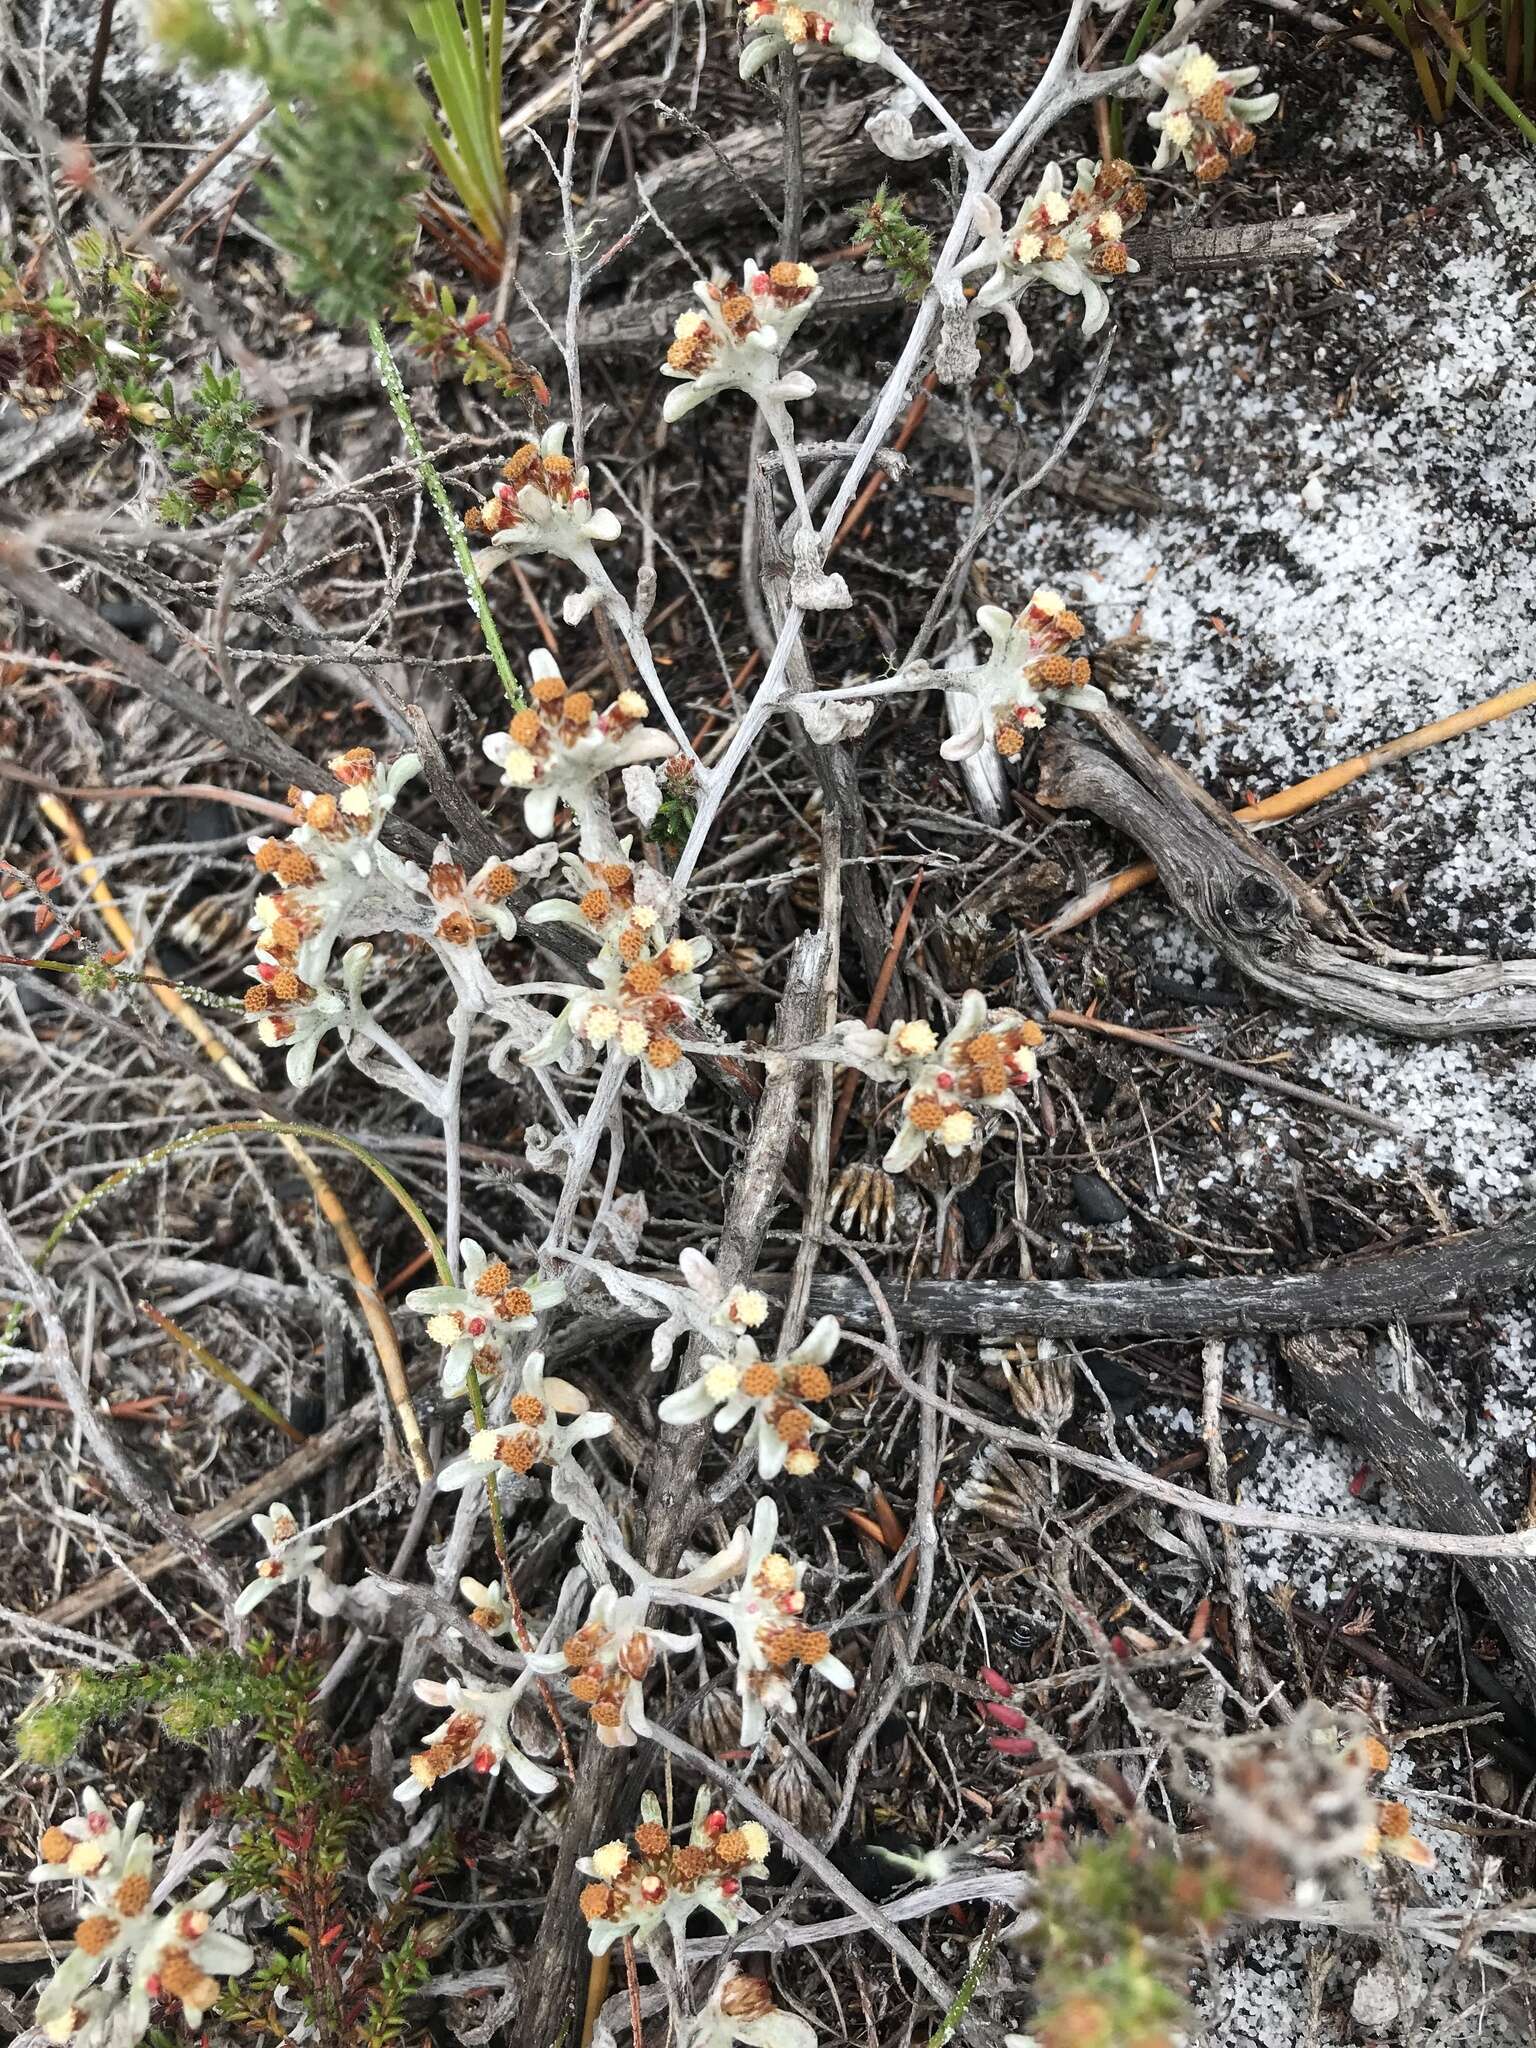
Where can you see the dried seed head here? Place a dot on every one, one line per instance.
(585, 1687)
(690, 1864)
(456, 929)
(651, 1839)
(607, 1713)
(610, 1859)
(747, 1998)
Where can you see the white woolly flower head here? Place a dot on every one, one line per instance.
(648, 992)
(605, 1663)
(475, 1321)
(766, 1613)
(534, 1435)
(978, 1064)
(291, 1560)
(773, 26)
(777, 1394)
(332, 870)
(561, 748)
(1030, 665)
(734, 339)
(140, 1955)
(489, 1607)
(705, 1306)
(1072, 241)
(642, 1885)
(543, 506)
(476, 1735)
(1206, 119)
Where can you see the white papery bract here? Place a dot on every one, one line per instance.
(1029, 666)
(606, 1660)
(477, 1733)
(978, 1064)
(773, 26)
(146, 1955)
(562, 749)
(773, 1392)
(534, 1435)
(765, 1613)
(1204, 120)
(475, 1321)
(640, 1887)
(741, 2008)
(1069, 241)
(736, 339)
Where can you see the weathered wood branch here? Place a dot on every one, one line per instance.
(1164, 252)
(1248, 905)
(1475, 1266)
(1333, 1375)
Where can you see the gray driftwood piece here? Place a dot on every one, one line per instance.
(1332, 1374)
(1456, 1271)
(1246, 903)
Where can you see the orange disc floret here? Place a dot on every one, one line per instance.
(269, 853)
(595, 905)
(691, 352)
(1030, 1033)
(517, 1301)
(323, 813)
(445, 878)
(54, 1846)
(643, 979)
(791, 286)
(1393, 1820)
(737, 312)
(547, 689)
(1211, 167)
(1071, 626)
(595, 1901)
(295, 869)
(585, 1687)
(496, 1279)
(525, 728)
(474, 521)
(690, 1864)
(498, 883)
(1112, 258)
(984, 1046)
(1241, 144)
(618, 874)
(1373, 1753)
(662, 1052)
(1082, 669)
(759, 1380)
(521, 464)
(96, 1933)
(814, 1644)
(1010, 742)
(187, 1981)
(288, 988)
(731, 1848)
(991, 1078)
(631, 943)
(283, 935)
(779, 1645)
(807, 1382)
(1213, 102)
(520, 1452)
(792, 1425)
(528, 1409)
(577, 708)
(926, 1111)
(456, 929)
(651, 1839)
(559, 473)
(1054, 671)
(606, 1713)
(258, 997)
(132, 1896)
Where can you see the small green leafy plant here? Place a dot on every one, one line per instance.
(190, 1695)
(51, 340)
(896, 243)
